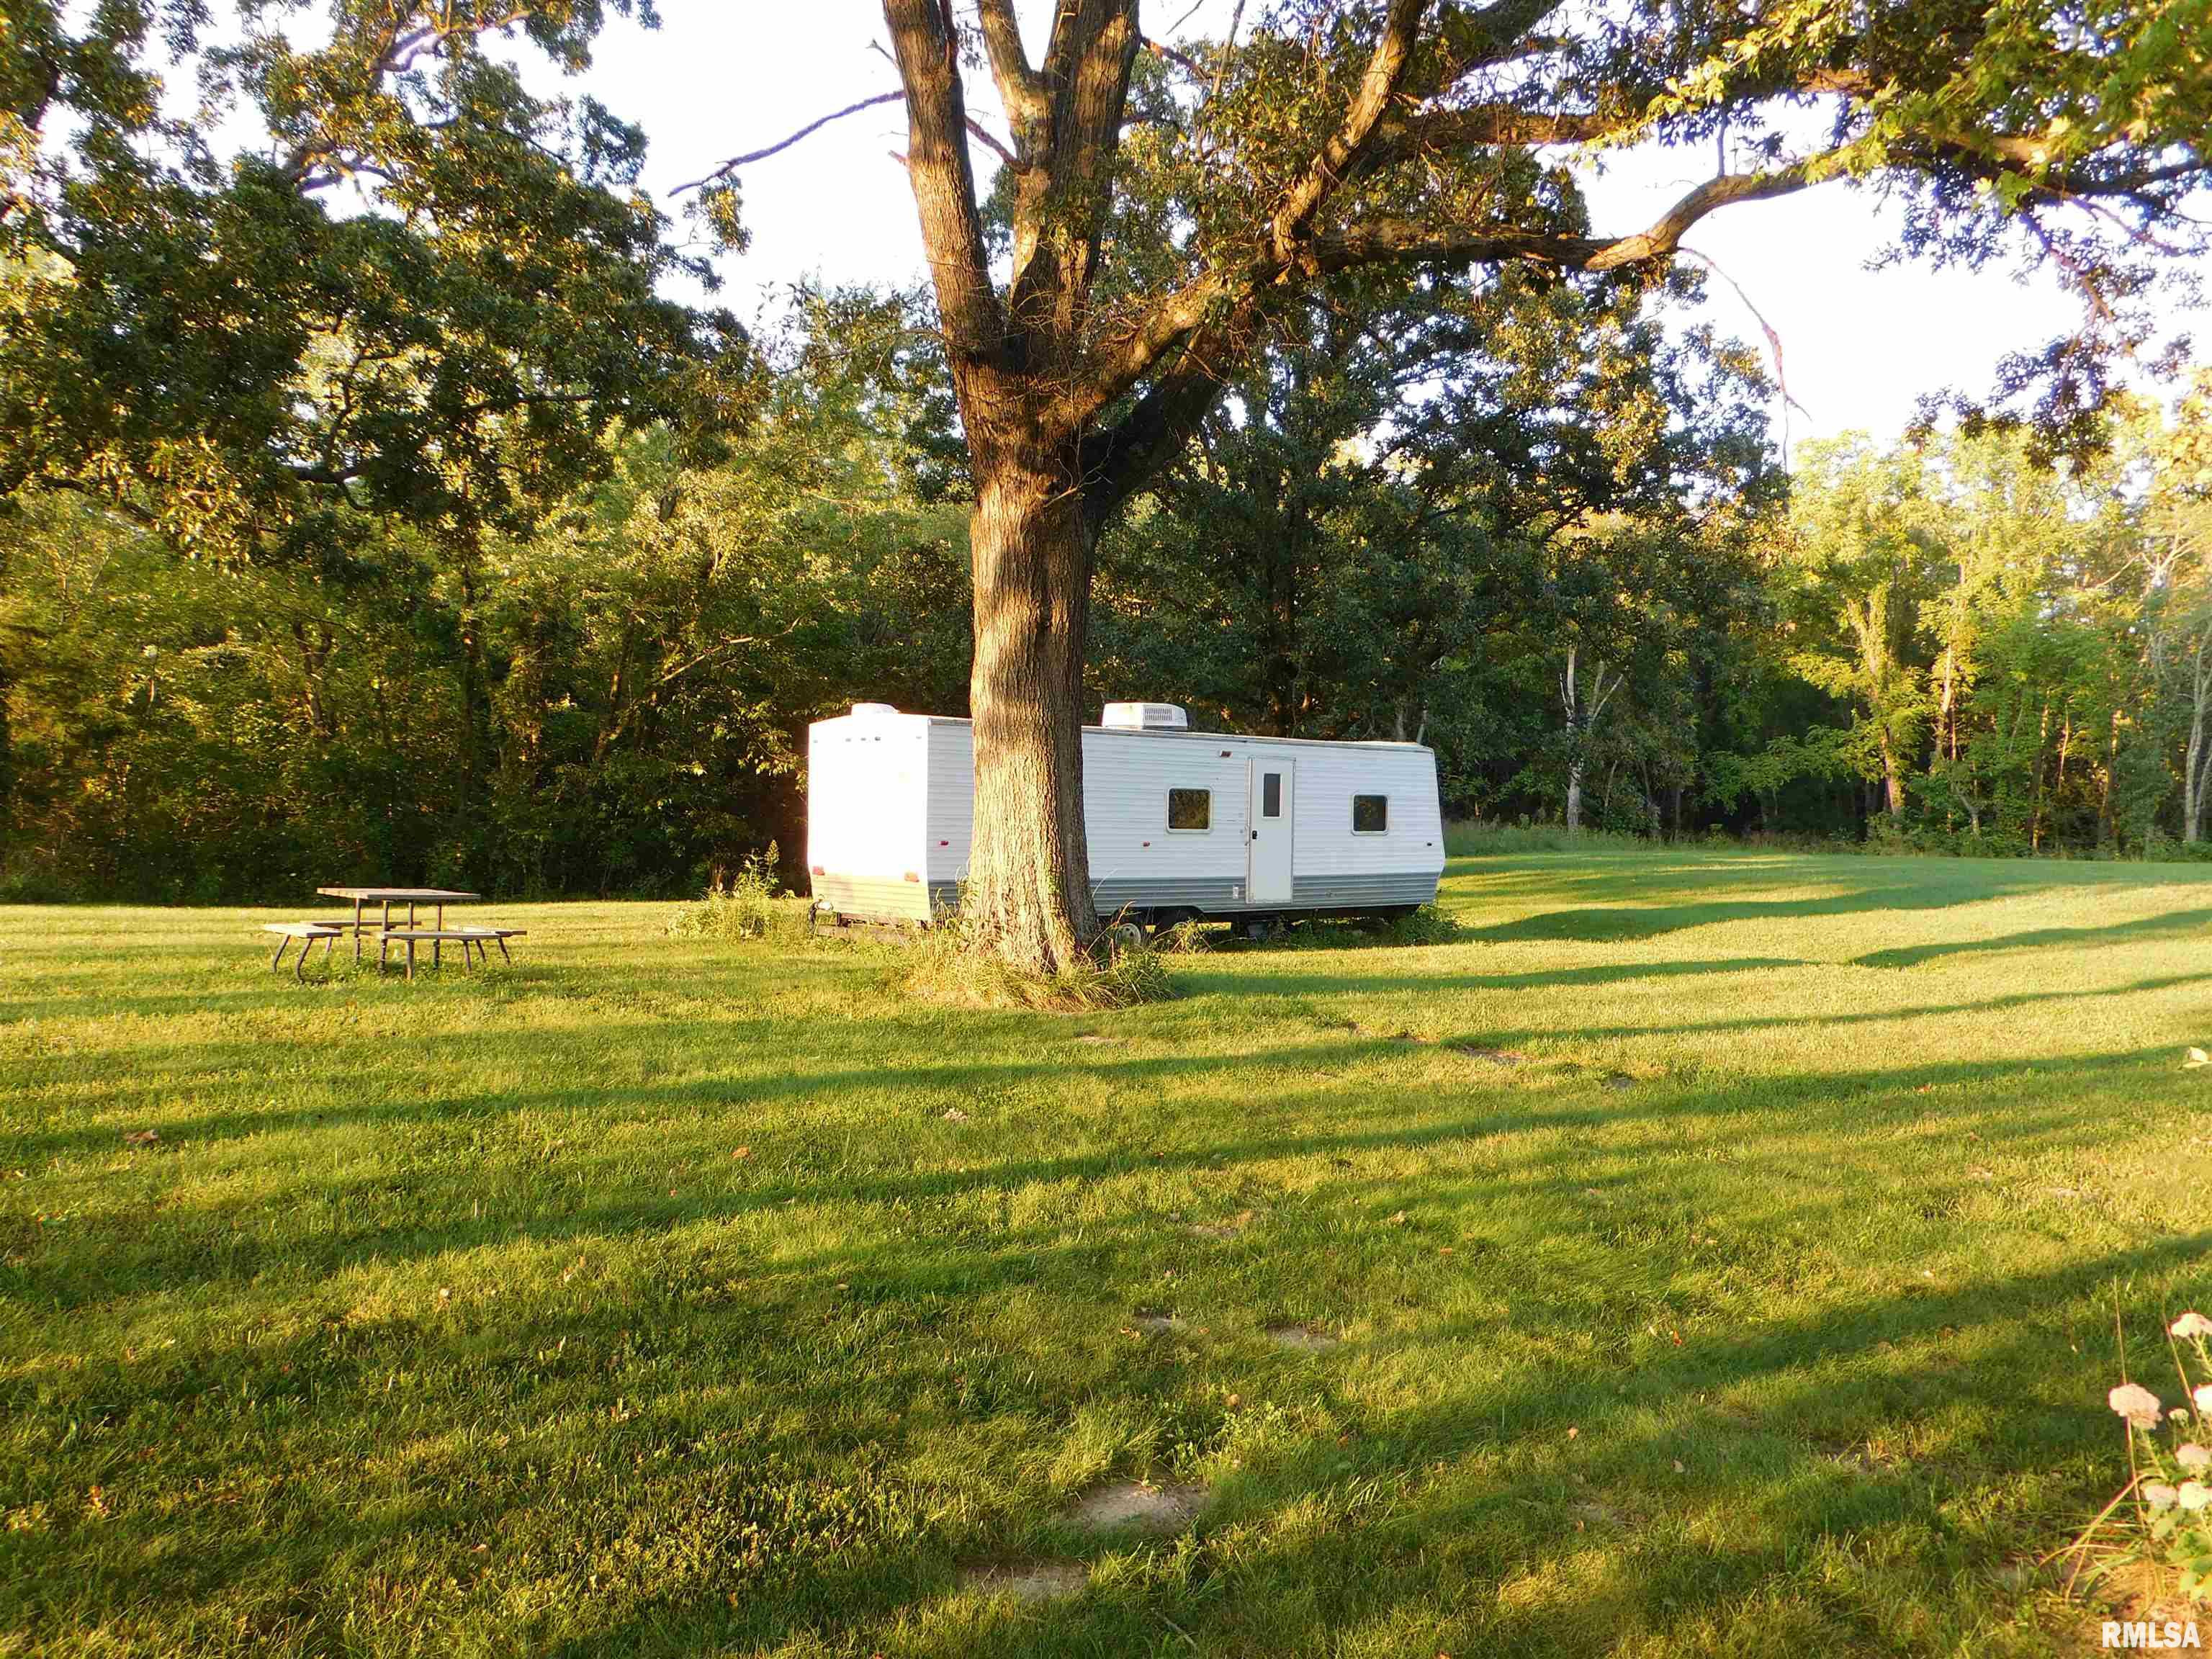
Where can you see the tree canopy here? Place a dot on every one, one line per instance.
(411, 286)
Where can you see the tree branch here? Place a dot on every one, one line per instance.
(1386, 69)
(1119, 461)
(1119, 365)
(1020, 89)
(1484, 125)
(928, 58)
(1666, 235)
(1182, 60)
(984, 137)
(1056, 230)
(812, 127)
(1488, 34)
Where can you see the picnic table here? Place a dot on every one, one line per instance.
(387, 896)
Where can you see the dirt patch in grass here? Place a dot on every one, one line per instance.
(1498, 1057)
(1139, 1506)
(1301, 1338)
(1155, 1324)
(1228, 1229)
(1592, 1513)
(1026, 1581)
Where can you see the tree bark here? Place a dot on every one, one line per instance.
(1892, 787)
(2195, 769)
(1572, 710)
(1029, 892)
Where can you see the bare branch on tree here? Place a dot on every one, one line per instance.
(812, 127)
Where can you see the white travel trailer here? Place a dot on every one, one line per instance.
(1181, 823)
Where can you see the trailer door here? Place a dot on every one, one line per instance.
(1273, 784)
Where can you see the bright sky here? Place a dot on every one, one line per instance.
(719, 79)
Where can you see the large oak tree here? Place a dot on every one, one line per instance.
(1155, 219)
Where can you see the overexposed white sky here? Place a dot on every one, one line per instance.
(724, 76)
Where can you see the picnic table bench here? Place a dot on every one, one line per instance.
(306, 933)
(438, 937)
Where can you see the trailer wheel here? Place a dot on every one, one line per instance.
(1260, 929)
(1124, 937)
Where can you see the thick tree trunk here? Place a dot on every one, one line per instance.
(1028, 878)
(1892, 786)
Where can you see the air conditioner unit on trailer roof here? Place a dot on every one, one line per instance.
(1146, 717)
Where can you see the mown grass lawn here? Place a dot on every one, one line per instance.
(1751, 1292)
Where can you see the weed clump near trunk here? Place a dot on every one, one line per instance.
(949, 962)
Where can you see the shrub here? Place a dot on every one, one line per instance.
(747, 905)
(1190, 937)
(36, 881)
(1430, 925)
(1480, 838)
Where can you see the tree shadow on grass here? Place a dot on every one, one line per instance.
(698, 1119)
(1599, 925)
(708, 1369)
(1503, 1038)
(2170, 923)
(1361, 980)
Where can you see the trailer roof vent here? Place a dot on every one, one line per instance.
(862, 711)
(1146, 717)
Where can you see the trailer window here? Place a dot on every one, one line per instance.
(1370, 814)
(1190, 808)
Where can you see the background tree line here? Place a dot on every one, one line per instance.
(1540, 529)
(368, 504)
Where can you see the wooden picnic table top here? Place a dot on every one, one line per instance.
(398, 895)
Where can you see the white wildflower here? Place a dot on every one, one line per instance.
(2203, 1397)
(2138, 1404)
(2190, 1455)
(2158, 1495)
(2191, 1323)
(2194, 1495)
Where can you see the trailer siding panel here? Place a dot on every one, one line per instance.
(866, 779)
(875, 900)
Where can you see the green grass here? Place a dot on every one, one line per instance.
(683, 1296)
